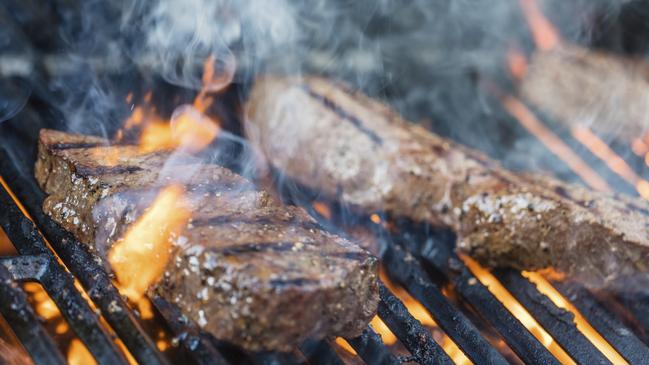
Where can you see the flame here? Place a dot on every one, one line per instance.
(78, 354)
(517, 62)
(546, 36)
(375, 218)
(343, 344)
(383, 330)
(139, 258)
(517, 309)
(582, 324)
(322, 209)
(528, 120)
(43, 305)
(639, 147)
(600, 149)
(189, 128)
(419, 312)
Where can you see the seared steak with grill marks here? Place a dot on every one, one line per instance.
(248, 270)
(355, 149)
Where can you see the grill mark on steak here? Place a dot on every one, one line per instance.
(98, 170)
(68, 146)
(257, 220)
(331, 105)
(285, 246)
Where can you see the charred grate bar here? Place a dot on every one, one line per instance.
(558, 322)
(438, 254)
(613, 330)
(412, 334)
(406, 271)
(371, 349)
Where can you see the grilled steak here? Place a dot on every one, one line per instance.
(576, 85)
(357, 150)
(248, 270)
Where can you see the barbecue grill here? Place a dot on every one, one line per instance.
(420, 260)
(477, 318)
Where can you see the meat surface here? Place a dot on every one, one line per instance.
(578, 86)
(247, 269)
(354, 149)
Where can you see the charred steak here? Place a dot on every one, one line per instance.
(248, 270)
(355, 149)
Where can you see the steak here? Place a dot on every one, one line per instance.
(576, 85)
(247, 269)
(354, 149)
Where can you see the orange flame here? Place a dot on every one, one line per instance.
(139, 258)
(546, 36)
(78, 354)
(582, 324)
(600, 149)
(343, 344)
(528, 120)
(517, 309)
(189, 128)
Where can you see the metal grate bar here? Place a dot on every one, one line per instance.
(558, 322)
(406, 270)
(414, 336)
(86, 267)
(192, 340)
(59, 284)
(613, 330)
(320, 353)
(436, 251)
(371, 349)
(20, 316)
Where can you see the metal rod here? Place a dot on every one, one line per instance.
(613, 330)
(559, 323)
(371, 349)
(414, 336)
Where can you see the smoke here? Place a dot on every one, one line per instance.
(427, 59)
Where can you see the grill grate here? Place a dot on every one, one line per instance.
(416, 259)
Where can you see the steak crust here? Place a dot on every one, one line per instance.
(357, 150)
(248, 270)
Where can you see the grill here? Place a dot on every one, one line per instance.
(420, 260)
(470, 313)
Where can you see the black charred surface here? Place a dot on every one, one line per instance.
(412, 334)
(436, 250)
(58, 283)
(370, 348)
(204, 351)
(611, 328)
(559, 323)
(320, 353)
(406, 270)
